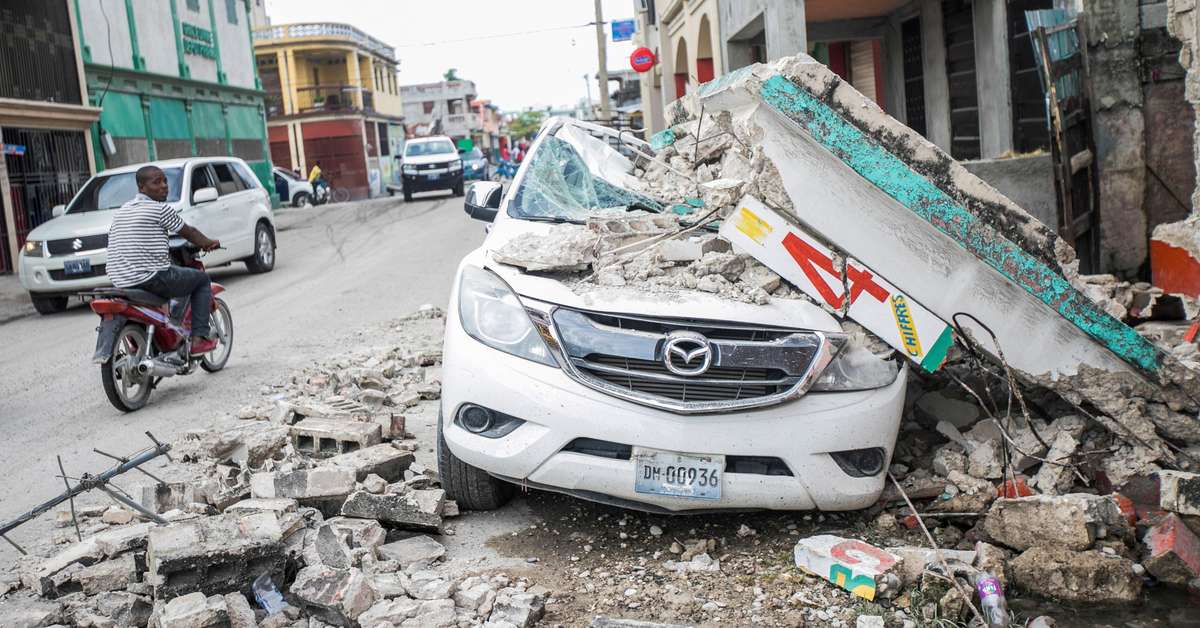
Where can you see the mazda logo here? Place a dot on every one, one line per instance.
(687, 353)
(77, 244)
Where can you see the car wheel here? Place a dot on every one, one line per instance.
(303, 199)
(458, 189)
(471, 488)
(407, 196)
(49, 305)
(263, 259)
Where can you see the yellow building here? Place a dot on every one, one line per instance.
(332, 97)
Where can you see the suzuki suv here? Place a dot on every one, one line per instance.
(690, 402)
(430, 163)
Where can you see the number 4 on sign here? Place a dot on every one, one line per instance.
(810, 259)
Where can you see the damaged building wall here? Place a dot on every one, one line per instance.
(1183, 24)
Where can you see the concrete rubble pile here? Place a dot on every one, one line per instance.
(318, 498)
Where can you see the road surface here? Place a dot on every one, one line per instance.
(339, 268)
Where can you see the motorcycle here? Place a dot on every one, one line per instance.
(506, 170)
(143, 338)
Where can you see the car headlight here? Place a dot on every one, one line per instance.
(33, 248)
(492, 314)
(410, 170)
(455, 165)
(856, 368)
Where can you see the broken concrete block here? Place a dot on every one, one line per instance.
(359, 532)
(335, 596)
(123, 608)
(419, 510)
(40, 580)
(1172, 551)
(475, 594)
(936, 406)
(194, 610)
(676, 250)
(1179, 492)
(1175, 256)
(241, 614)
(1089, 576)
(117, 516)
(949, 458)
(302, 484)
(1056, 479)
(375, 484)
(160, 498)
(277, 505)
(323, 438)
(517, 608)
(383, 460)
(993, 560)
(914, 560)
(1071, 521)
(418, 549)
(851, 564)
(26, 612)
(390, 585)
(429, 585)
(109, 575)
(217, 554)
(332, 549)
(433, 614)
(390, 611)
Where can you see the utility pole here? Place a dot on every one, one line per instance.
(587, 82)
(602, 49)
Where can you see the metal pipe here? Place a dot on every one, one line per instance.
(155, 368)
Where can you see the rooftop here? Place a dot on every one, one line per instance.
(323, 30)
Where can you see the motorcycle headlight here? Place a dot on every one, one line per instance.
(492, 314)
(856, 368)
(410, 170)
(33, 248)
(455, 165)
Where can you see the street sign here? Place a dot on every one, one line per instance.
(622, 30)
(642, 59)
(12, 149)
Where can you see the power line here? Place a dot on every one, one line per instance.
(498, 36)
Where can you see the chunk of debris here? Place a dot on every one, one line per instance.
(382, 460)
(277, 505)
(564, 248)
(304, 484)
(518, 608)
(843, 562)
(1089, 576)
(323, 438)
(1180, 492)
(336, 596)
(1071, 521)
(1172, 551)
(419, 510)
(914, 560)
(217, 554)
(417, 549)
(194, 610)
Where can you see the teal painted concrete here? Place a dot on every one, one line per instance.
(662, 139)
(892, 175)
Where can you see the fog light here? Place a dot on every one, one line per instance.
(860, 463)
(475, 419)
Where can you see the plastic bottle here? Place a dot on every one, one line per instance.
(991, 600)
(267, 595)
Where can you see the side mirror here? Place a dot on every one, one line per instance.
(58, 211)
(483, 200)
(204, 195)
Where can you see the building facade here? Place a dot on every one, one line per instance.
(443, 108)
(333, 98)
(45, 148)
(174, 78)
(651, 82)
(691, 54)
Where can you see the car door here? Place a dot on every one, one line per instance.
(202, 216)
(233, 224)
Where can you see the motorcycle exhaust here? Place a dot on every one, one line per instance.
(157, 369)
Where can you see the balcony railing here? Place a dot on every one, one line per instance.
(326, 29)
(322, 98)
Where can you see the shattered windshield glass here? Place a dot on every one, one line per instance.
(561, 184)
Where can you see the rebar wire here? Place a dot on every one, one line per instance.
(70, 499)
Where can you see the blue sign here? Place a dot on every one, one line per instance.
(12, 149)
(622, 30)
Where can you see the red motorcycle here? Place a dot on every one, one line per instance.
(144, 337)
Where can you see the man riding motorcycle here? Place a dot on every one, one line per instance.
(139, 256)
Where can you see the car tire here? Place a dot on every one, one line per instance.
(471, 488)
(407, 196)
(49, 305)
(303, 199)
(263, 260)
(458, 189)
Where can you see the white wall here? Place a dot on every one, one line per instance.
(156, 36)
(202, 69)
(237, 57)
(102, 35)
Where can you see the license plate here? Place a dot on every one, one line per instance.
(77, 266)
(678, 475)
(431, 177)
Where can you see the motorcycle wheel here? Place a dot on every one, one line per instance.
(125, 390)
(222, 322)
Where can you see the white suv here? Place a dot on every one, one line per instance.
(692, 402)
(220, 196)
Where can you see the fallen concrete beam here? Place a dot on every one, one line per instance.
(383, 460)
(323, 438)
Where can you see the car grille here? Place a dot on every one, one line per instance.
(624, 356)
(60, 275)
(751, 465)
(86, 243)
(443, 166)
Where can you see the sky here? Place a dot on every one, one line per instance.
(533, 69)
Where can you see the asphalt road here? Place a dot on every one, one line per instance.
(339, 268)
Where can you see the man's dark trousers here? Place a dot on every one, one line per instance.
(178, 281)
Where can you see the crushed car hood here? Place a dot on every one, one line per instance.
(692, 304)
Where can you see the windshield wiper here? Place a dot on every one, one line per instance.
(558, 220)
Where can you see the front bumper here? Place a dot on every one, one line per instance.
(45, 276)
(423, 182)
(558, 410)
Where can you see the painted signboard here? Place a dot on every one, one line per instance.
(622, 30)
(844, 284)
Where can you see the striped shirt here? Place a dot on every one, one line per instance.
(137, 240)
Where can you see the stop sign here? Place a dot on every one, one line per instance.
(642, 59)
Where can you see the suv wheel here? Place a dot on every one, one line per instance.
(407, 196)
(263, 259)
(458, 189)
(303, 199)
(48, 305)
(472, 488)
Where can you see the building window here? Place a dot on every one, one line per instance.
(427, 106)
(193, 5)
(958, 23)
(231, 11)
(384, 145)
(914, 74)
(1028, 100)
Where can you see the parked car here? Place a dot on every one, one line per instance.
(428, 164)
(692, 402)
(220, 196)
(293, 189)
(475, 165)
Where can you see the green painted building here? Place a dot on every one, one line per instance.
(173, 78)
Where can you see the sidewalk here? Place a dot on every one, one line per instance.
(14, 301)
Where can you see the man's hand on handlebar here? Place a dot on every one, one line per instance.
(203, 242)
(210, 245)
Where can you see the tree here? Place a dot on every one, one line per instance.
(526, 124)
(451, 74)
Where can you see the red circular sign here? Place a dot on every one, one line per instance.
(642, 59)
